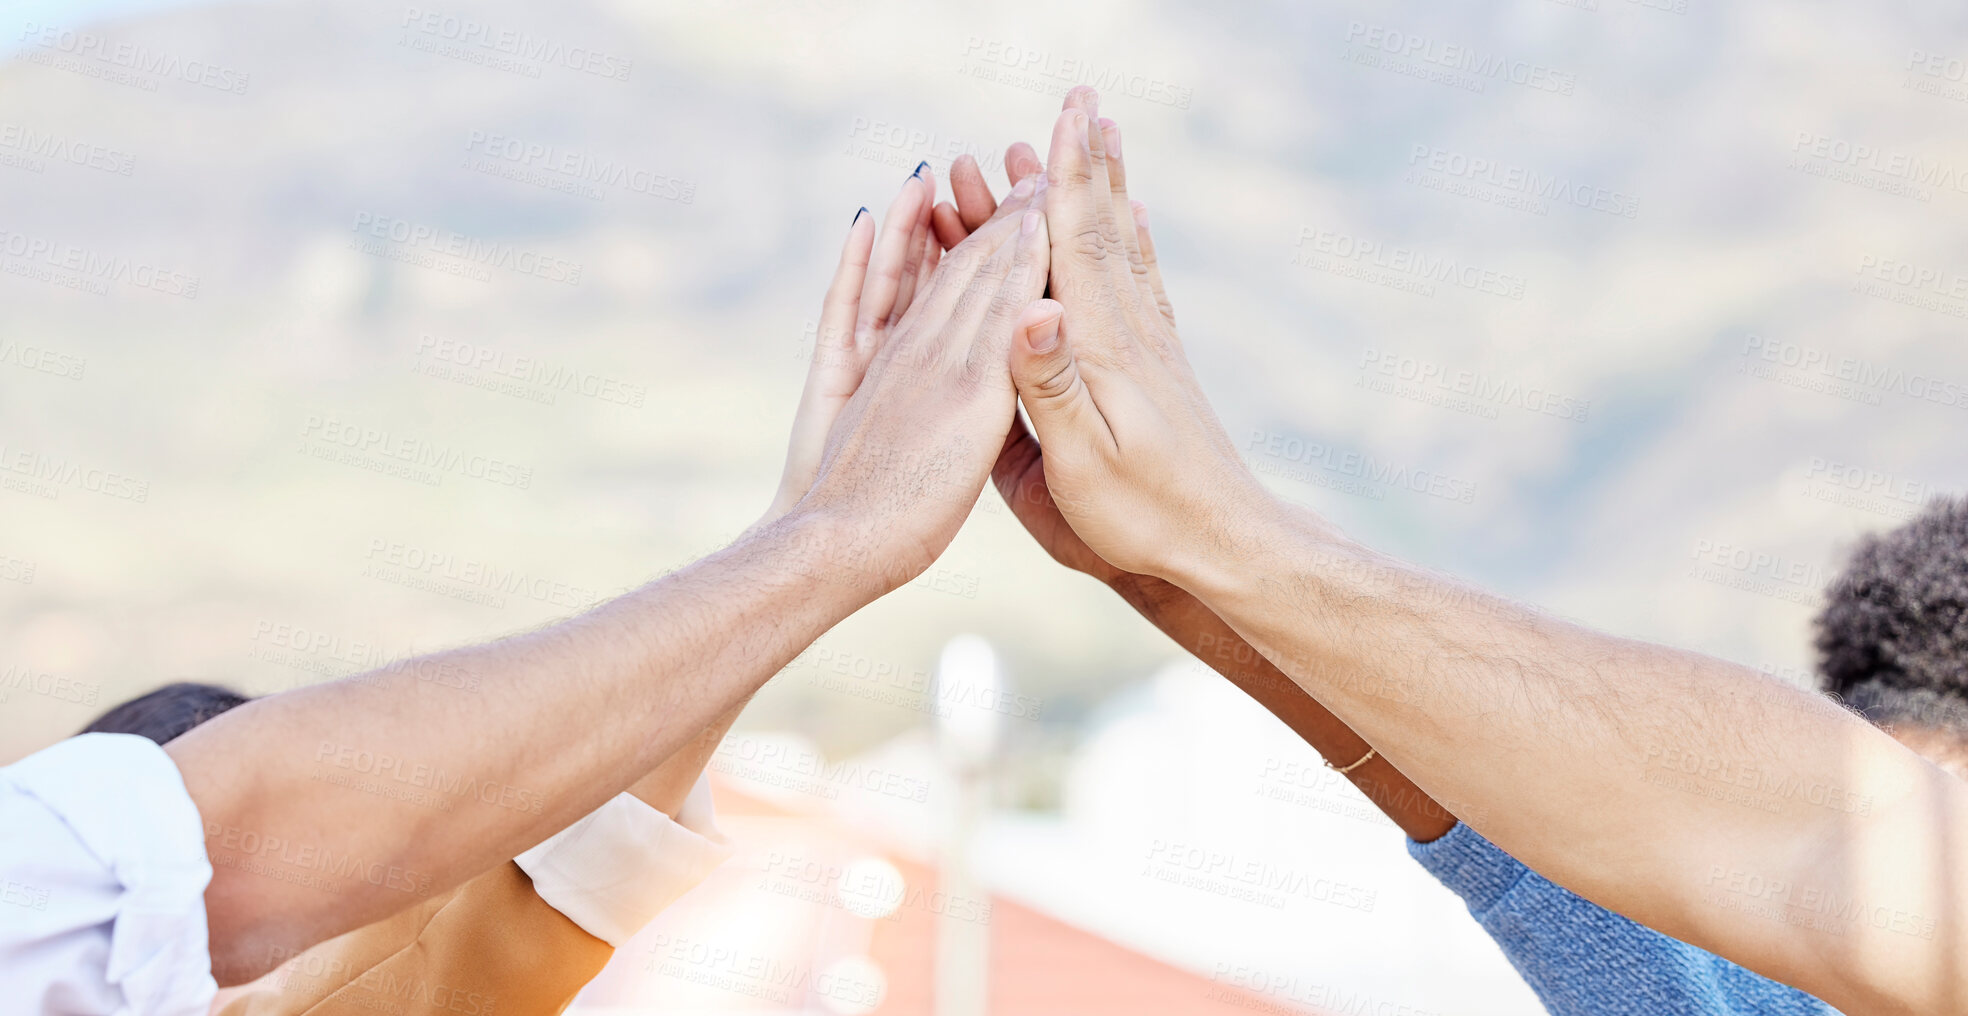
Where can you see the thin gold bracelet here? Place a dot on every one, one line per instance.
(1364, 759)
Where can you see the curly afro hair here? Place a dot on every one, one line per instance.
(1893, 637)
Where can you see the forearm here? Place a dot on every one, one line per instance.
(1195, 628)
(665, 786)
(1618, 769)
(330, 806)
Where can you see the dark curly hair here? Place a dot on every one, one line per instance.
(167, 712)
(1893, 637)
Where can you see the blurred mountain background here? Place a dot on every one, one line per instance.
(1640, 311)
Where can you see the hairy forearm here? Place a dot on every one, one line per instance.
(1195, 628)
(1700, 798)
(330, 806)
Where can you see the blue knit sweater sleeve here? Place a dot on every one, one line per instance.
(1584, 960)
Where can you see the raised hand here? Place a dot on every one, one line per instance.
(974, 204)
(880, 279)
(1020, 479)
(1133, 455)
(916, 397)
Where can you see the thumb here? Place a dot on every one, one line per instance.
(1048, 380)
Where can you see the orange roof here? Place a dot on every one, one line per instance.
(1039, 965)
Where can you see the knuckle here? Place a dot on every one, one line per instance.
(1055, 380)
(980, 374)
(1090, 243)
(999, 316)
(967, 302)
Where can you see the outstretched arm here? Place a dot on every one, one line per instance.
(1700, 798)
(1020, 478)
(868, 273)
(329, 807)
(323, 804)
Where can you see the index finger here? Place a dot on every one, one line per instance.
(974, 201)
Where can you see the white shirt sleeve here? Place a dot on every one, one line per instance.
(614, 870)
(102, 883)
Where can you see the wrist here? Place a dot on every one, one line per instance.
(839, 550)
(1228, 540)
(1148, 595)
(1268, 544)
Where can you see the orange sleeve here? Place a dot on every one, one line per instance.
(490, 948)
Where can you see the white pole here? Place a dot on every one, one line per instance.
(968, 683)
